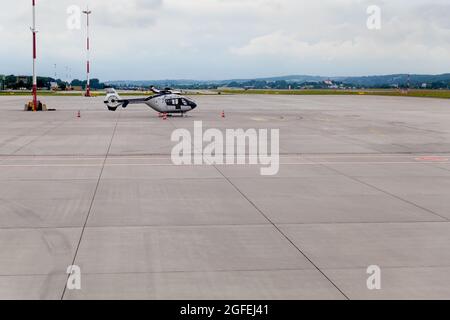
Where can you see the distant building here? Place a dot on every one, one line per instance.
(54, 86)
(23, 79)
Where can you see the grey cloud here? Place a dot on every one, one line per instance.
(232, 38)
(128, 14)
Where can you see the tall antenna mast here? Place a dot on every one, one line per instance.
(33, 30)
(87, 12)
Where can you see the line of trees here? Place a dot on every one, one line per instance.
(17, 83)
(283, 84)
(95, 84)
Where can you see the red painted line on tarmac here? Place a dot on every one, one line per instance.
(432, 159)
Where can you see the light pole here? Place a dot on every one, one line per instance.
(88, 86)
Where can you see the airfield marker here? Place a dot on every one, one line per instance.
(88, 86)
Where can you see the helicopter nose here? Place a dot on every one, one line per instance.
(192, 104)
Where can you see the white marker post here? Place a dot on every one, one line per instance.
(88, 86)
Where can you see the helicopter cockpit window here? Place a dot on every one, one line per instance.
(172, 102)
(177, 102)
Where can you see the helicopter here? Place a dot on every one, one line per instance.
(166, 101)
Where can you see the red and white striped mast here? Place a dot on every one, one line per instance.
(33, 30)
(88, 67)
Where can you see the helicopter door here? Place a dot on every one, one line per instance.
(178, 104)
(173, 104)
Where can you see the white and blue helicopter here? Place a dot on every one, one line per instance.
(165, 101)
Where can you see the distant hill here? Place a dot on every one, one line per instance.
(442, 80)
(184, 82)
(394, 79)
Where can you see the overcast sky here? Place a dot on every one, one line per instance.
(223, 39)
